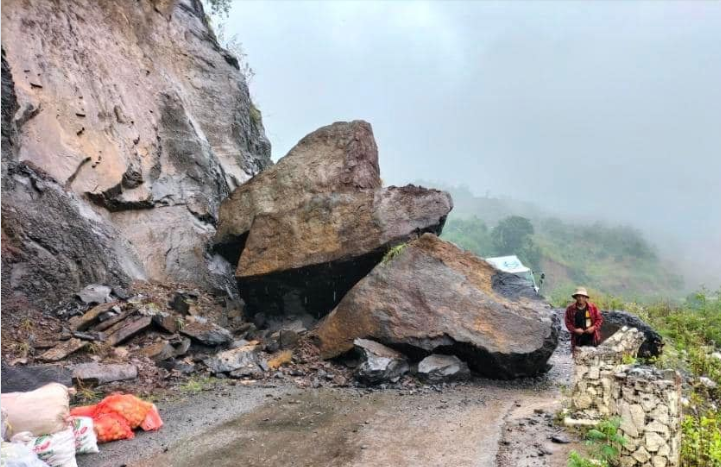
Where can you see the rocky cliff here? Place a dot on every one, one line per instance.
(125, 125)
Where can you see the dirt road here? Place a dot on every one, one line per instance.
(481, 423)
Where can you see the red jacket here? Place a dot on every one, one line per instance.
(596, 321)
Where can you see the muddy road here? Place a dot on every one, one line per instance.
(481, 423)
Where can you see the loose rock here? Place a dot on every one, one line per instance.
(433, 294)
(380, 364)
(438, 368)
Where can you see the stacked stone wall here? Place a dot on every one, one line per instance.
(647, 400)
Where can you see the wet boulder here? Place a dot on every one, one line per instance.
(380, 364)
(439, 368)
(305, 260)
(614, 320)
(432, 296)
(342, 157)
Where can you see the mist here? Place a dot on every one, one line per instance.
(596, 111)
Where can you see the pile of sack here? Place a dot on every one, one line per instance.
(40, 430)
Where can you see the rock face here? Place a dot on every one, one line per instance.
(306, 259)
(614, 320)
(342, 157)
(135, 125)
(380, 364)
(435, 297)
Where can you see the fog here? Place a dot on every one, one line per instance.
(602, 110)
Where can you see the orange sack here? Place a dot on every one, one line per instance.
(131, 408)
(83, 411)
(111, 427)
(152, 421)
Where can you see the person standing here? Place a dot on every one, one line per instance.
(583, 320)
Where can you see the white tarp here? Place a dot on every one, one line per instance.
(508, 264)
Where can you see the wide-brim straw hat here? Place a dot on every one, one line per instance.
(580, 291)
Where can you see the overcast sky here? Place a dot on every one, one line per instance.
(611, 110)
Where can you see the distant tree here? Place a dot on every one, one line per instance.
(470, 234)
(513, 236)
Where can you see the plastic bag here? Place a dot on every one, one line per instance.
(19, 455)
(152, 421)
(83, 411)
(131, 408)
(56, 450)
(41, 412)
(112, 427)
(84, 432)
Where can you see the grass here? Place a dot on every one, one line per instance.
(197, 384)
(393, 253)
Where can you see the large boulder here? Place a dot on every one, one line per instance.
(306, 259)
(433, 296)
(615, 320)
(342, 157)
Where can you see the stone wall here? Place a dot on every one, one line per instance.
(647, 400)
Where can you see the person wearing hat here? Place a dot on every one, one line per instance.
(583, 320)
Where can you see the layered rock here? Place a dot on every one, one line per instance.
(306, 259)
(138, 114)
(342, 157)
(432, 296)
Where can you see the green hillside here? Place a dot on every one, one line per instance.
(614, 260)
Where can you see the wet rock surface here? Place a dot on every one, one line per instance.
(305, 260)
(206, 332)
(342, 157)
(432, 296)
(436, 368)
(379, 364)
(28, 378)
(131, 139)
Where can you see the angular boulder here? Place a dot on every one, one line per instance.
(615, 320)
(380, 364)
(438, 368)
(336, 158)
(434, 296)
(305, 260)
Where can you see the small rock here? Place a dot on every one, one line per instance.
(95, 294)
(62, 350)
(437, 368)
(180, 303)
(205, 332)
(560, 439)
(380, 363)
(243, 360)
(288, 339)
(167, 322)
(159, 351)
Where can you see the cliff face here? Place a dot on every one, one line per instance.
(139, 122)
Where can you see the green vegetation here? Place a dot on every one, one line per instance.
(617, 261)
(393, 252)
(693, 334)
(604, 443)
